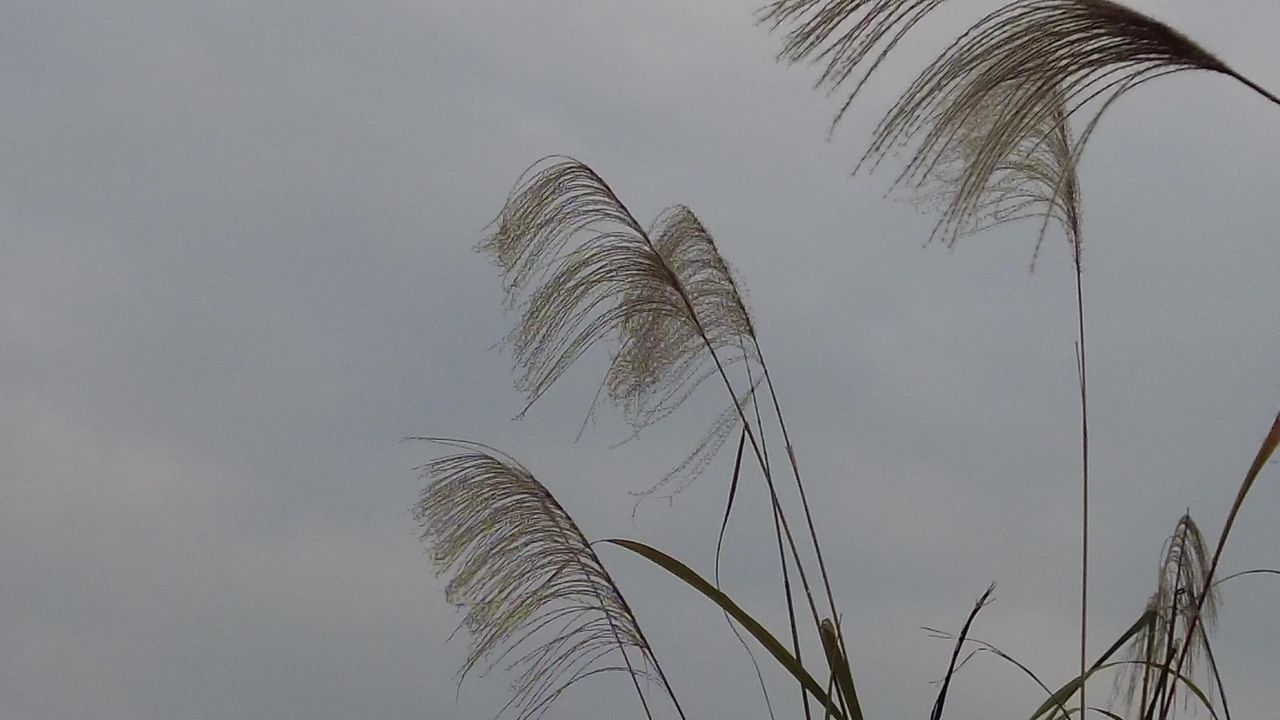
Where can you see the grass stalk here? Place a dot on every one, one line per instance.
(1084, 478)
(804, 500)
(756, 444)
(777, 529)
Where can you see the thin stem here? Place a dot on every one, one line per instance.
(804, 501)
(764, 467)
(746, 424)
(1084, 484)
(617, 638)
(1254, 86)
(733, 489)
(733, 397)
(1213, 665)
(777, 530)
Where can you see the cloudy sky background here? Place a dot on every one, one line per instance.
(237, 270)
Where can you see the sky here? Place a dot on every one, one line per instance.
(238, 270)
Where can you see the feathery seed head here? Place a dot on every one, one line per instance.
(528, 579)
(587, 270)
(1020, 64)
(1036, 180)
(1183, 570)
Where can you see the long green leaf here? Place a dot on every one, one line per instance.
(758, 631)
(840, 669)
(1066, 691)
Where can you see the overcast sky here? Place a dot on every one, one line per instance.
(237, 269)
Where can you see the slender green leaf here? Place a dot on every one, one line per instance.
(758, 631)
(1066, 691)
(840, 669)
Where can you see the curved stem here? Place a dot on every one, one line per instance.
(692, 314)
(764, 467)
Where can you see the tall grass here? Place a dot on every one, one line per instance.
(990, 127)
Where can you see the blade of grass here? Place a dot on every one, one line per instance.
(831, 683)
(728, 506)
(840, 669)
(1242, 573)
(1066, 691)
(753, 626)
(983, 645)
(941, 700)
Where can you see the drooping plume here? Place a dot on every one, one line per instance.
(727, 424)
(843, 34)
(538, 601)
(587, 270)
(1016, 65)
(1182, 574)
(1036, 180)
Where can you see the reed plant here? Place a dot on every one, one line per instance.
(993, 136)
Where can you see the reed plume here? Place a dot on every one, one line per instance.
(1036, 180)
(531, 584)
(1183, 571)
(586, 270)
(1026, 53)
(844, 34)
(727, 424)
(663, 356)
